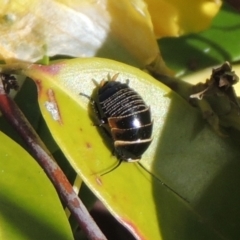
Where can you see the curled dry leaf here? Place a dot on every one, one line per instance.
(9, 82)
(220, 83)
(217, 98)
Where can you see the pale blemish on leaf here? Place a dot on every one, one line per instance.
(52, 106)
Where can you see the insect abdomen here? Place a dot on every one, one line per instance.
(129, 119)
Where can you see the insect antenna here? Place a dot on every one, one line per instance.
(119, 163)
(164, 184)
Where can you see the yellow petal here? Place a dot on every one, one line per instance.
(174, 17)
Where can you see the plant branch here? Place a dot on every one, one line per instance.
(40, 152)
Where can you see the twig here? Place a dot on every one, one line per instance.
(39, 151)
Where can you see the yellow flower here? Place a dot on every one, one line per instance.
(123, 30)
(175, 17)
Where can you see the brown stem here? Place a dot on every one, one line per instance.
(39, 151)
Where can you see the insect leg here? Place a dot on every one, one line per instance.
(118, 164)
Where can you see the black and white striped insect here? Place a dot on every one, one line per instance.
(126, 118)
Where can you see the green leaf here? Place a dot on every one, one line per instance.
(29, 206)
(185, 154)
(213, 46)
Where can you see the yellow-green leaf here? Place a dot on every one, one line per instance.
(186, 154)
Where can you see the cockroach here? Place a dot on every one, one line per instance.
(125, 117)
